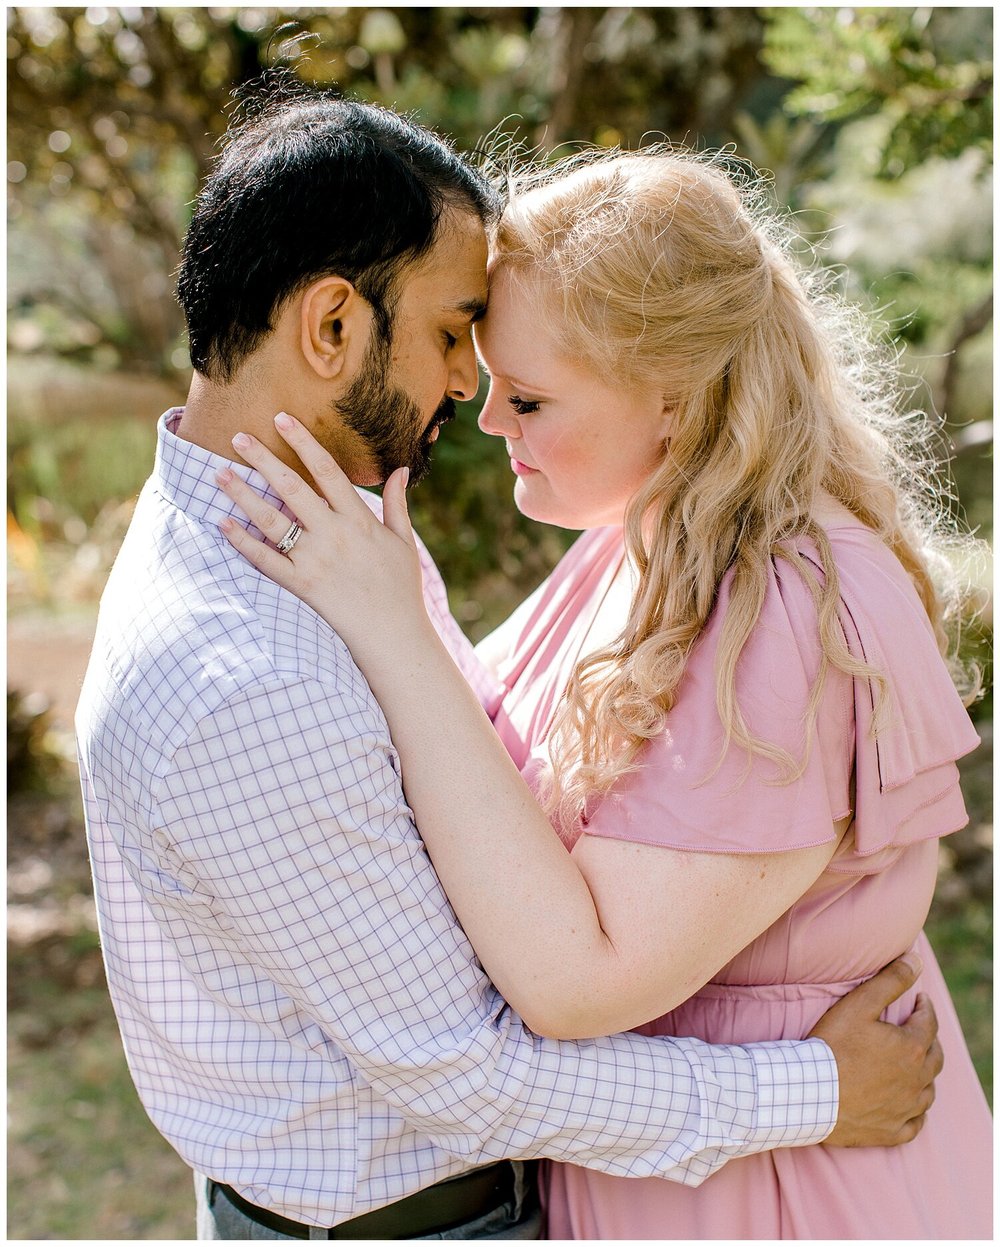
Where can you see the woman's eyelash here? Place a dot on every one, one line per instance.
(523, 406)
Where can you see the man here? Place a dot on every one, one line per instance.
(304, 1019)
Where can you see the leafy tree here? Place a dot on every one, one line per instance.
(924, 78)
(928, 71)
(114, 115)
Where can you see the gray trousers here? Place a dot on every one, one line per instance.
(520, 1218)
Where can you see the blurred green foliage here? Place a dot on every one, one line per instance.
(904, 99)
(114, 114)
(927, 71)
(33, 765)
(962, 938)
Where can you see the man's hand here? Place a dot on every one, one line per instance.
(886, 1072)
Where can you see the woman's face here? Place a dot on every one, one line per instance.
(580, 444)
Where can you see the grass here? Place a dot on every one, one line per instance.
(83, 1159)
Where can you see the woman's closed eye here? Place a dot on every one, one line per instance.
(523, 406)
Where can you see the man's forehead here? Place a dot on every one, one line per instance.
(453, 272)
(458, 233)
(447, 294)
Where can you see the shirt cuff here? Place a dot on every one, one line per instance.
(798, 1092)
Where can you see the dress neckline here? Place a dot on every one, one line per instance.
(593, 610)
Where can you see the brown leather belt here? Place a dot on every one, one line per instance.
(430, 1211)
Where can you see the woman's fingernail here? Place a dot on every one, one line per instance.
(227, 525)
(224, 476)
(406, 477)
(241, 441)
(284, 421)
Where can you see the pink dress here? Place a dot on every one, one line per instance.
(865, 909)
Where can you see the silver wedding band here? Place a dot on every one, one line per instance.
(290, 538)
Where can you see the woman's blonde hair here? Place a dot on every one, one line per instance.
(664, 268)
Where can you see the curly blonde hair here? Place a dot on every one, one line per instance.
(664, 267)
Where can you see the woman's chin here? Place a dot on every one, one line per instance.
(546, 510)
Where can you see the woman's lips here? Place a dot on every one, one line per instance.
(521, 469)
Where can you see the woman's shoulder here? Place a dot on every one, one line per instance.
(885, 622)
(895, 773)
(878, 603)
(910, 723)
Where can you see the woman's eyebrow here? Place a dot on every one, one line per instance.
(518, 383)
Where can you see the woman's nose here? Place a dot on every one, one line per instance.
(497, 418)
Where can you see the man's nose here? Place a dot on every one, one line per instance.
(463, 382)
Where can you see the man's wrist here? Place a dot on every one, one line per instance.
(798, 1091)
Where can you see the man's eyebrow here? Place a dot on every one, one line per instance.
(475, 309)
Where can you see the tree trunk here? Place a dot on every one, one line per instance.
(576, 29)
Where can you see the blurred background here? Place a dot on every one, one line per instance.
(875, 126)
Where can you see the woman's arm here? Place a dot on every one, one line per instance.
(580, 945)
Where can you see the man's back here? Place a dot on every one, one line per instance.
(194, 647)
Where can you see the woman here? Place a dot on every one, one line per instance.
(729, 697)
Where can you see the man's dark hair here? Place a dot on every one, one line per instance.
(308, 185)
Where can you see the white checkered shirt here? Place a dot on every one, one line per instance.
(302, 1015)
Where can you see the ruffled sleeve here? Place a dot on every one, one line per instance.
(906, 779)
(901, 785)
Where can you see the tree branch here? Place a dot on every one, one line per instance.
(972, 323)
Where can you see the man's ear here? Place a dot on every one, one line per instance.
(335, 324)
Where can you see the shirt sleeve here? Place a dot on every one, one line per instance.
(284, 853)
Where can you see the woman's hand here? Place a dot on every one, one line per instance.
(362, 576)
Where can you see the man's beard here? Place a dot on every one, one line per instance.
(387, 419)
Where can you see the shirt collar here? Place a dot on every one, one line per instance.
(184, 474)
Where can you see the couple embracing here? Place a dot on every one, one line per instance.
(636, 888)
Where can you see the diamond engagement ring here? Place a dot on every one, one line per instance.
(290, 538)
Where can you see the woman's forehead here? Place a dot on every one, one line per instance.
(517, 283)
